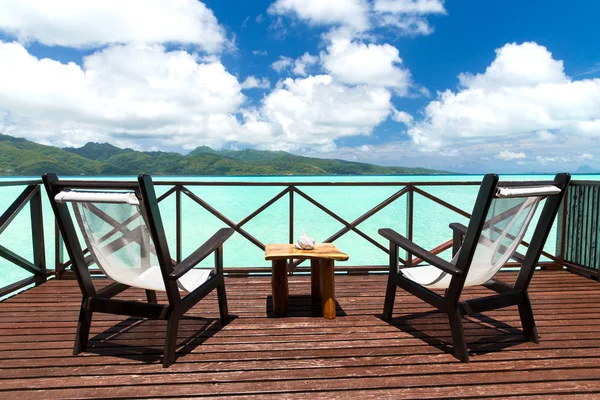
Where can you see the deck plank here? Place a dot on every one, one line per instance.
(303, 356)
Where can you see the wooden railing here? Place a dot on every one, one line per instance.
(579, 229)
(37, 267)
(291, 190)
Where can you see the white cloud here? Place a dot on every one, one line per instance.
(590, 127)
(144, 96)
(297, 66)
(353, 62)
(518, 65)
(552, 160)
(259, 52)
(523, 92)
(402, 117)
(253, 82)
(351, 13)
(312, 112)
(564, 159)
(121, 92)
(304, 62)
(410, 6)
(507, 155)
(92, 23)
(407, 16)
(546, 136)
(282, 63)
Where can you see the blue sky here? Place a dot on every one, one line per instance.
(466, 86)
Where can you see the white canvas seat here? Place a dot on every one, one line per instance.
(118, 240)
(507, 221)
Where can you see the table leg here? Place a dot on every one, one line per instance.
(327, 289)
(279, 287)
(315, 281)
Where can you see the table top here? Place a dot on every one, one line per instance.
(321, 251)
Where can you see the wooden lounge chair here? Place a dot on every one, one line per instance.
(122, 228)
(500, 218)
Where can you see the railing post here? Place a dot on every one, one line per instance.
(291, 226)
(561, 233)
(37, 234)
(410, 201)
(178, 222)
(59, 260)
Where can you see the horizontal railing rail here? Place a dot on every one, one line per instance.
(292, 190)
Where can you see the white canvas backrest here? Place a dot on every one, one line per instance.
(506, 223)
(117, 236)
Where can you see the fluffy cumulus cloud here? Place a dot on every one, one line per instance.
(153, 76)
(253, 82)
(323, 104)
(91, 23)
(524, 93)
(313, 112)
(122, 91)
(351, 13)
(408, 16)
(419, 7)
(354, 62)
(402, 117)
(299, 66)
(508, 155)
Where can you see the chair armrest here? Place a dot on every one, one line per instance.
(458, 235)
(201, 253)
(458, 227)
(399, 240)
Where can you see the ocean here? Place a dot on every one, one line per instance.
(430, 220)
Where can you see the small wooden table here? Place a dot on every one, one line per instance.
(321, 274)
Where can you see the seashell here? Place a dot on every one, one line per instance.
(305, 242)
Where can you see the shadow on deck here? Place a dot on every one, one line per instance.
(303, 356)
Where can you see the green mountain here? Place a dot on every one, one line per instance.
(243, 155)
(22, 157)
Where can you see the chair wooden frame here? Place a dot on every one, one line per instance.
(102, 300)
(466, 239)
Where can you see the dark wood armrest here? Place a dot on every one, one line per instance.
(201, 253)
(399, 240)
(458, 227)
(458, 234)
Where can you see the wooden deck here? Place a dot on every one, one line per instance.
(301, 356)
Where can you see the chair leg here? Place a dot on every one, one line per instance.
(83, 328)
(171, 340)
(222, 298)
(458, 336)
(390, 297)
(528, 321)
(151, 296)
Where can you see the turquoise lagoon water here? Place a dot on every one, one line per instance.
(271, 226)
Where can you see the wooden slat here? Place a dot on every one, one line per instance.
(301, 356)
